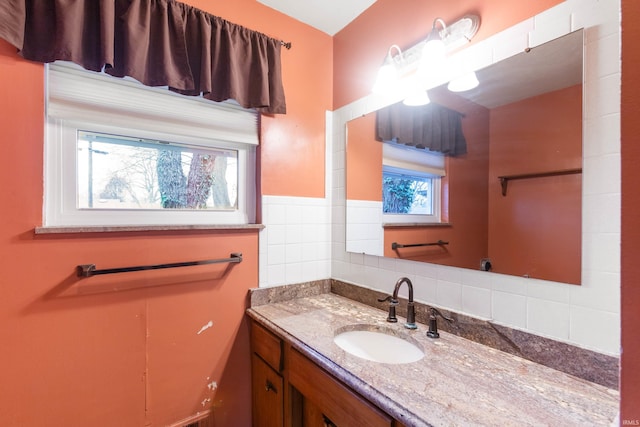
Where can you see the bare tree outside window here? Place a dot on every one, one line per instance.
(131, 173)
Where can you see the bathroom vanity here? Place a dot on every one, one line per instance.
(313, 396)
(301, 377)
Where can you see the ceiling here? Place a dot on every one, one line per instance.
(329, 16)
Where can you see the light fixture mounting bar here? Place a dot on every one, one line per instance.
(453, 36)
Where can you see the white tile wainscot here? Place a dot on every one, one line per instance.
(295, 245)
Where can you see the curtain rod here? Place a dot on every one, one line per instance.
(285, 44)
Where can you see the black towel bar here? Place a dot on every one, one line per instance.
(395, 245)
(88, 270)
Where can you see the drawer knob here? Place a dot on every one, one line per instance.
(270, 387)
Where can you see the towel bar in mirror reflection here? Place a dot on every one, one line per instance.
(396, 245)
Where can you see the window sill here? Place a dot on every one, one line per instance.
(415, 224)
(143, 228)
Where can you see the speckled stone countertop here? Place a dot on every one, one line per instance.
(457, 383)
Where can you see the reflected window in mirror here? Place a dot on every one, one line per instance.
(411, 184)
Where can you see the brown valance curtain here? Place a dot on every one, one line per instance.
(432, 127)
(157, 42)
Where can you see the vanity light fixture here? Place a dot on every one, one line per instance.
(434, 50)
(390, 81)
(417, 98)
(387, 79)
(464, 82)
(411, 72)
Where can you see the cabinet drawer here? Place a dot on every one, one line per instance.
(267, 346)
(344, 407)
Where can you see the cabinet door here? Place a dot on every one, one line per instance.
(267, 393)
(336, 403)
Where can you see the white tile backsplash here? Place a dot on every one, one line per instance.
(277, 234)
(595, 329)
(602, 18)
(275, 274)
(604, 62)
(476, 278)
(426, 270)
(510, 284)
(293, 272)
(276, 254)
(425, 288)
(600, 213)
(601, 95)
(509, 309)
(296, 241)
(601, 252)
(476, 301)
(309, 252)
(550, 319)
(548, 291)
(601, 136)
(601, 174)
(449, 295)
(598, 291)
(449, 274)
(550, 25)
(275, 214)
(293, 253)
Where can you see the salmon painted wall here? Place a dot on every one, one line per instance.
(360, 48)
(464, 198)
(80, 352)
(292, 145)
(630, 293)
(536, 228)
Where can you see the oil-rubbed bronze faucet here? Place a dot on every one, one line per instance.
(393, 302)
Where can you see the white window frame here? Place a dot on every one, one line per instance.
(93, 102)
(417, 162)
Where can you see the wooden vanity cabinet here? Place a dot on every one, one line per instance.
(290, 390)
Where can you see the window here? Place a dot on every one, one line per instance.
(119, 153)
(407, 192)
(411, 189)
(116, 172)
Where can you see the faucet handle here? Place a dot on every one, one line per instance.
(392, 301)
(392, 308)
(433, 322)
(435, 311)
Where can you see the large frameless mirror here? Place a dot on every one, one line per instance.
(509, 202)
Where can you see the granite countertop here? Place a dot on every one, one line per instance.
(458, 382)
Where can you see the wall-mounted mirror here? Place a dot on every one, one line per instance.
(511, 203)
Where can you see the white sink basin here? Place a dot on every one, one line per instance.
(378, 346)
